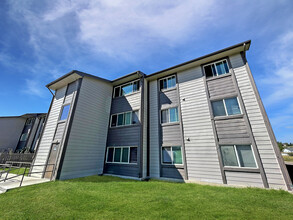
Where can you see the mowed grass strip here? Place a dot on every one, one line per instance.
(104, 197)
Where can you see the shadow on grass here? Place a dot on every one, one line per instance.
(101, 179)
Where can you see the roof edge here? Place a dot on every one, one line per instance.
(248, 42)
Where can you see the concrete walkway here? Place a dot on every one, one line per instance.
(15, 182)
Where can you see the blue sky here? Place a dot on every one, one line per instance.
(42, 40)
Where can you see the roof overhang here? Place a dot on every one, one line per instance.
(202, 60)
(128, 77)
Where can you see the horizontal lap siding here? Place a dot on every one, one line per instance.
(59, 132)
(49, 129)
(172, 172)
(171, 135)
(201, 153)
(221, 87)
(126, 103)
(168, 98)
(87, 140)
(244, 179)
(154, 130)
(233, 131)
(259, 130)
(124, 136)
(122, 169)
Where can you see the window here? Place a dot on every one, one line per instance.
(216, 68)
(169, 115)
(172, 155)
(167, 83)
(238, 156)
(125, 118)
(226, 107)
(24, 137)
(122, 155)
(64, 113)
(126, 89)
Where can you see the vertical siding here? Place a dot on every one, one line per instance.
(87, 140)
(201, 154)
(259, 130)
(49, 130)
(154, 130)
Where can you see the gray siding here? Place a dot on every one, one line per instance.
(221, 87)
(168, 98)
(154, 130)
(172, 172)
(87, 140)
(124, 136)
(201, 154)
(49, 130)
(232, 131)
(11, 129)
(122, 169)
(259, 130)
(145, 129)
(171, 135)
(59, 132)
(126, 103)
(244, 179)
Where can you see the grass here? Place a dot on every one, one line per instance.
(18, 170)
(288, 158)
(107, 197)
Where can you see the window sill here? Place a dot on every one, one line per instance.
(218, 118)
(123, 96)
(125, 126)
(170, 124)
(218, 77)
(242, 169)
(177, 166)
(167, 90)
(122, 164)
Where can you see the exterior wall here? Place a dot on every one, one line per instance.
(125, 135)
(11, 128)
(200, 147)
(85, 149)
(49, 131)
(154, 130)
(257, 121)
(145, 129)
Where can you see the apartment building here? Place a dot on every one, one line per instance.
(202, 120)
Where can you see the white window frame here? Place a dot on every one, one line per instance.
(214, 63)
(226, 112)
(169, 116)
(237, 157)
(131, 112)
(114, 147)
(120, 88)
(171, 156)
(167, 83)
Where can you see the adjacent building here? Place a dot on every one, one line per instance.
(202, 120)
(21, 133)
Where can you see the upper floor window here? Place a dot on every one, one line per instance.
(65, 112)
(168, 83)
(216, 68)
(169, 115)
(172, 155)
(125, 118)
(126, 89)
(238, 156)
(122, 155)
(225, 107)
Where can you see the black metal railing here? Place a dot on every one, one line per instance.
(19, 169)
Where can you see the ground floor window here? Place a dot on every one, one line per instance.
(172, 155)
(126, 155)
(238, 156)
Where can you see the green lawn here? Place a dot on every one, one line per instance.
(114, 198)
(288, 158)
(18, 170)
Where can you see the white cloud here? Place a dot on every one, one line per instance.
(33, 87)
(279, 67)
